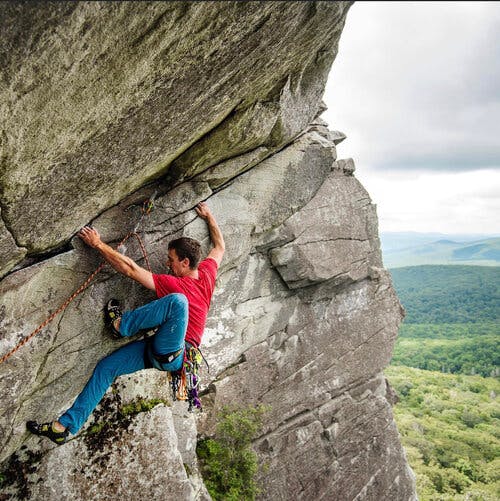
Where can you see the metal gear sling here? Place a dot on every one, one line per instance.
(185, 382)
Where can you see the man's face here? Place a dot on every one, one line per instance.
(176, 266)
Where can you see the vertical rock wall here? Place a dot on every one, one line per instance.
(304, 317)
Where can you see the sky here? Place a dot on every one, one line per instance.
(416, 89)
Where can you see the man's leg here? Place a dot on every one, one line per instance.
(169, 314)
(125, 360)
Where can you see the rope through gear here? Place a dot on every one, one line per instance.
(148, 204)
(185, 382)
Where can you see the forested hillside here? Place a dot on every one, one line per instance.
(455, 348)
(448, 294)
(452, 318)
(449, 425)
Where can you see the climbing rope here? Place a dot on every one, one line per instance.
(146, 210)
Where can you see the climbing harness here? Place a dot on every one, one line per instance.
(185, 381)
(146, 209)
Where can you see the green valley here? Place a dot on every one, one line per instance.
(452, 319)
(445, 370)
(449, 426)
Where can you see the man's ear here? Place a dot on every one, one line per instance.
(186, 262)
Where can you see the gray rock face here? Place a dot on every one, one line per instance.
(318, 345)
(103, 96)
(10, 253)
(333, 237)
(112, 459)
(303, 319)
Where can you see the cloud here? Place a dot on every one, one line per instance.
(416, 85)
(465, 202)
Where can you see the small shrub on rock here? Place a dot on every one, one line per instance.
(228, 463)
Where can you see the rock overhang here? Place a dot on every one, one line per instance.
(103, 97)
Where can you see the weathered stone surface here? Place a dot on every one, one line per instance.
(333, 237)
(309, 347)
(112, 456)
(348, 346)
(121, 468)
(324, 441)
(66, 351)
(324, 419)
(187, 434)
(10, 253)
(103, 96)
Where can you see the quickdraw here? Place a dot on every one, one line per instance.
(186, 381)
(148, 205)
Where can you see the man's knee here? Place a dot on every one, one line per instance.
(178, 300)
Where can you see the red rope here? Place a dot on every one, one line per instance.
(74, 295)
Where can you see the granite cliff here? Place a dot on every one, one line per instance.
(106, 104)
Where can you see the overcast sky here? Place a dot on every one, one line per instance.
(416, 89)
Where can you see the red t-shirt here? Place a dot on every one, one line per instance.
(198, 292)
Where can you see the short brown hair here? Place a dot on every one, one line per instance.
(186, 247)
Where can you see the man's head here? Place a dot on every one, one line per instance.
(183, 255)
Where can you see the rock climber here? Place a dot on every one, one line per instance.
(179, 315)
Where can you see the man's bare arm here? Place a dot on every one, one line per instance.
(219, 246)
(122, 264)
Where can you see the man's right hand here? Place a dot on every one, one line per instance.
(203, 210)
(90, 236)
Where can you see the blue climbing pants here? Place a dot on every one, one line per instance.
(170, 315)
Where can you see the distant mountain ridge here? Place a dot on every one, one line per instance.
(413, 249)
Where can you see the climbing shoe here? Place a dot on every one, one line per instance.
(47, 430)
(111, 313)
